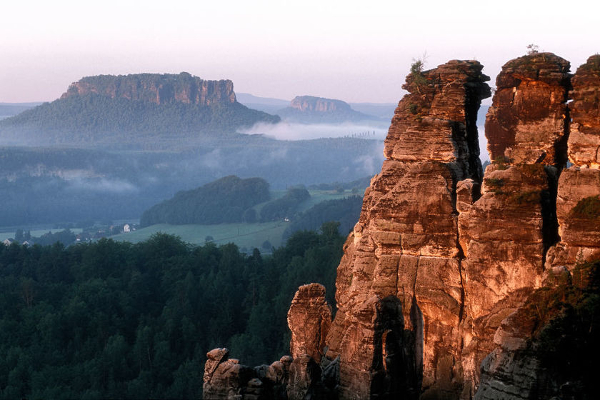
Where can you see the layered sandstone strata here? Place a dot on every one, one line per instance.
(399, 286)
(505, 234)
(527, 117)
(578, 200)
(309, 320)
(584, 137)
(156, 88)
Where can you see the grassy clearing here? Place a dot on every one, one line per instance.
(243, 235)
(6, 233)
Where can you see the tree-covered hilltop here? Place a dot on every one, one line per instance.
(284, 207)
(222, 201)
(345, 211)
(116, 320)
(93, 118)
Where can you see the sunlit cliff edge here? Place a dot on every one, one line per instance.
(439, 276)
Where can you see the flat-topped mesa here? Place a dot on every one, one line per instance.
(399, 287)
(436, 121)
(156, 88)
(319, 104)
(528, 117)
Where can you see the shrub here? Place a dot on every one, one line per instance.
(528, 197)
(587, 208)
(495, 184)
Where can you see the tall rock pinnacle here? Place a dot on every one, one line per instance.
(399, 286)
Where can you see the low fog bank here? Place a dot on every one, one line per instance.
(295, 131)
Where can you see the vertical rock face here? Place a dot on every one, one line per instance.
(505, 234)
(526, 120)
(399, 284)
(309, 320)
(156, 88)
(297, 378)
(584, 138)
(578, 200)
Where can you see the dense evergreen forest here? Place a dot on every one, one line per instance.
(93, 117)
(118, 320)
(346, 211)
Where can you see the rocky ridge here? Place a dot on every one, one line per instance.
(437, 272)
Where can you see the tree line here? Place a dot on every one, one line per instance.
(119, 320)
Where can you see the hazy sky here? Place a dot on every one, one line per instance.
(358, 51)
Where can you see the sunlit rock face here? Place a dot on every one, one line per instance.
(526, 122)
(505, 234)
(309, 320)
(578, 200)
(156, 88)
(584, 137)
(439, 275)
(399, 286)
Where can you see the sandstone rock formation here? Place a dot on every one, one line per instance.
(294, 378)
(578, 201)
(527, 117)
(447, 268)
(584, 135)
(399, 287)
(156, 88)
(309, 320)
(226, 378)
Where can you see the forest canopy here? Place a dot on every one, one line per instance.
(119, 320)
(222, 201)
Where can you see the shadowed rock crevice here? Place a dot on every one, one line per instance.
(394, 357)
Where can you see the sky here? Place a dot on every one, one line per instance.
(357, 51)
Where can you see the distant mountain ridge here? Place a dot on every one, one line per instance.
(133, 108)
(312, 109)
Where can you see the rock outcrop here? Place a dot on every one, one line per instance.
(528, 113)
(450, 272)
(156, 88)
(309, 320)
(226, 378)
(578, 200)
(584, 135)
(399, 286)
(295, 378)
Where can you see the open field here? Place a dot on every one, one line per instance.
(8, 233)
(243, 235)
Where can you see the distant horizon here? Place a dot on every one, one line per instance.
(347, 50)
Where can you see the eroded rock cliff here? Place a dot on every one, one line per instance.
(399, 287)
(450, 272)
